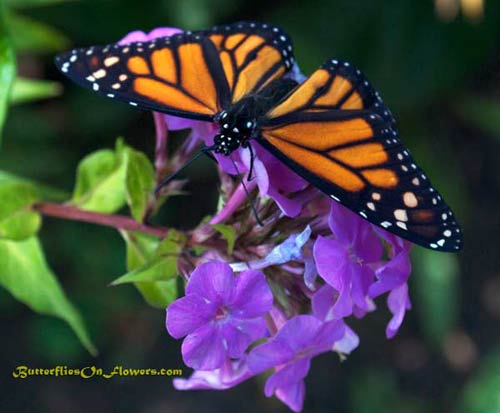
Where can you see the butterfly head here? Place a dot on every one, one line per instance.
(234, 132)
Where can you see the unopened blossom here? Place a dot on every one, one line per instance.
(220, 315)
(290, 352)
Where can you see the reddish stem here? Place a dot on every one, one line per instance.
(114, 221)
(237, 198)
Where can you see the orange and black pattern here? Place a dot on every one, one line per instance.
(191, 74)
(335, 131)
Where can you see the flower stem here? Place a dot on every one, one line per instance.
(234, 202)
(114, 221)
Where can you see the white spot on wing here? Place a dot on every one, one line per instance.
(401, 215)
(110, 61)
(410, 200)
(401, 225)
(99, 74)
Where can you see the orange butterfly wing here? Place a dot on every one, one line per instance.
(335, 131)
(252, 59)
(191, 74)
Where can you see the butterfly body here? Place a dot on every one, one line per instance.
(333, 129)
(240, 122)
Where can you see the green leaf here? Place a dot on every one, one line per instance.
(17, 220)
(152, 266)
(436, 291)
(29, 35)
(7, 70)
(100, 181)
(29, 90)
(481, 393)
(140, 248)
(158, 269)
(140, 182)
(25, 274)
(229, 234)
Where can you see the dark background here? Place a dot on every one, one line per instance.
(437, 67)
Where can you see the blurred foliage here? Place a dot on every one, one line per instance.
(25, 274)
(436, 293)
(441, 80)
(28, 90)
(482, 394)
(7, 68)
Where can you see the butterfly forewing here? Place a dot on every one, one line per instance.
(194, 75)
(252, 55)
(335, 131)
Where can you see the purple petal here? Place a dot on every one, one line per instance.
(140, 36)
(252, 297)
(214, 281)
(391, 275)
(398, 302)
(163, 32)
(323, 301)
(231, 374)
(310, 271)
(367, 245)
(362, 277)
(331, 260)
(300, 332)
(281, 176)
(268, 355)
(329, 333)
(290, 207)
(289, 374)
(398, 244)
(238, 334)
(259, 171)
(276, 180)
(292, 395)
(347, 343)
(204, 349)
(187, 314)
(343, 223)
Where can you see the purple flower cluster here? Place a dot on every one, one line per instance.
(243, 313)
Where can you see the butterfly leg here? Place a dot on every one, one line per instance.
(252, 158)
(242, 182)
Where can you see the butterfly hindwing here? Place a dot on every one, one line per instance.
(335, 131)
(190, 74)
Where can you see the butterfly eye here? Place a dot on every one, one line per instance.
(250, 124)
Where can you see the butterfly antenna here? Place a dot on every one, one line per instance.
(204, 151)
(242, 182)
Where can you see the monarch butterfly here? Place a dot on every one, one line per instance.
(333, 129)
